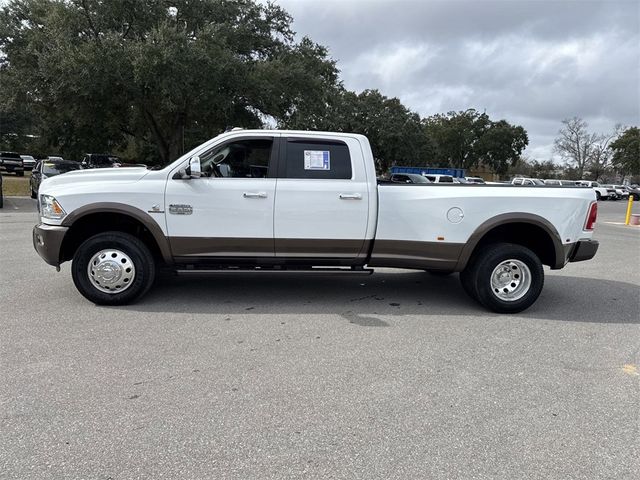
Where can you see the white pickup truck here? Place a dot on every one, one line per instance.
(290, 201)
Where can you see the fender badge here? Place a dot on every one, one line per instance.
(155, 209)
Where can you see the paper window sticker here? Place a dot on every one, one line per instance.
(317, 160)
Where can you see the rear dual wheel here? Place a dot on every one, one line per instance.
(113, 268)
(504, 277)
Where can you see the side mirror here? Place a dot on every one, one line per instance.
(194, 167)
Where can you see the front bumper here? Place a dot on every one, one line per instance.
(584, 250)
(47, 240)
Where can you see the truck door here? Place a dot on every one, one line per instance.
(228, 212)
(322, 199)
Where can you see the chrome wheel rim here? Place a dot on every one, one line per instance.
(111, 271)
(511, 280)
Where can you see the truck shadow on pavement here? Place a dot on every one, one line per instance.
(366, 300)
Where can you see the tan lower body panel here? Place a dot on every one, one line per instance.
(221, 247)
(386, 253)
(411, 254)
(266, 247)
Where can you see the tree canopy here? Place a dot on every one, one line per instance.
(626, 151)
(470, 139)
(99, 74)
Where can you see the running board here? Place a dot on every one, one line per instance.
(311, 271)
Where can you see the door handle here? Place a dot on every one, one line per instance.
(254, 194)
(350, 196)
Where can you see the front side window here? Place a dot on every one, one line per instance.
(238, 159)
(312, 159)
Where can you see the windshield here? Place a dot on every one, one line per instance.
(415, 178)
(52, 169)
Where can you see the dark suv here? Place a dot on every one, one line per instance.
(12, 162)
(100, 160)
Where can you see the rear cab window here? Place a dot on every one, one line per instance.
(309, 158)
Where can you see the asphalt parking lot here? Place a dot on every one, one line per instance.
(396, 375)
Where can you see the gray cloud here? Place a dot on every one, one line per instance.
(532, 62)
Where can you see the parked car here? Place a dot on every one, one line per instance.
(321, 210)
(11, 162)
(28, 162)
(49, 168)
(633, 191)
(408, 178)
(561, 183)
(527, 182)
(474, 180)
(601, 192)
(619, 191)
(437, 178)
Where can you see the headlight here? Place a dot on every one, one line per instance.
(50, 208)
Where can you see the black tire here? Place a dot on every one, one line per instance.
(468, 283)
(20, 174)
(598, 196)
(33, 194)
(145, 268)
(478, 277)
(438, 273)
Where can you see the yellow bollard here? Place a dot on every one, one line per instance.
(629, 206)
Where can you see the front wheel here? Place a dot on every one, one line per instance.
(505, 277)
(33, 193)
(113, 268)
(598, 195)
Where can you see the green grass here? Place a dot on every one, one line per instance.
(13, 186)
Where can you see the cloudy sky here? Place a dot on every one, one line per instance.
(532, 62)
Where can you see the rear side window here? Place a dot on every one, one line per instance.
(313, 159)
(445, 179)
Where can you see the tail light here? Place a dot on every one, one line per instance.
(591, 216)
